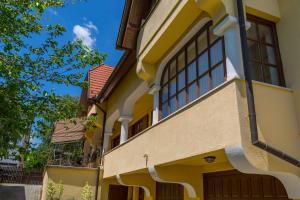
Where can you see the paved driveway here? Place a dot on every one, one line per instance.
(19, 192)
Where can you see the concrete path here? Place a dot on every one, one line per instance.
(20, 192)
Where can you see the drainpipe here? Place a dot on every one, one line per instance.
(250, 96)
(101, 150)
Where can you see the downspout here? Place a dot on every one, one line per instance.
(101, 150)
(250, 95)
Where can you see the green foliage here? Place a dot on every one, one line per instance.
(90, 122)
(27, 66)
(66, 107)
(54, 191)
(86, 193)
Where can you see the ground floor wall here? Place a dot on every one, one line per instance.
(72, 179)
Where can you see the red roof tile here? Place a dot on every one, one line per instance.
(97, 79)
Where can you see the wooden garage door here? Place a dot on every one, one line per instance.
(117, 192)
(233, 185)
(169, 191)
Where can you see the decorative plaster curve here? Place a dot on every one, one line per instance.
(155, 176)
(177, 47)
(133, 97)
(240, 162)
(120, 181)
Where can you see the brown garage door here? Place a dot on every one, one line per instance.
(169, 191)
(233, 185)
(117, 192)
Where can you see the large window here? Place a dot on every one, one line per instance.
(139, 126)
(197, 68)
(264, 56)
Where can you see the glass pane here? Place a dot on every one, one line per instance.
(217, 75)
(268, 54)
(181, 61)
(165, 93)
(204, 84)
(173, 68)
(265, 33)
(216, 53)
(173, 106)
(181, 80)
(203, 63)
(181, 99)
(191, 52)
(253, 50)
(192, 72)
(271, 75)
(251, 32)
(165, 76)
(256, 73)
(172, 85)
(164, 110)
(192, 90)
(202, 42)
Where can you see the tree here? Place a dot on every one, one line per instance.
(65, 107)
(25, 68)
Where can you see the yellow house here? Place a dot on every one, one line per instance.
(205, 102)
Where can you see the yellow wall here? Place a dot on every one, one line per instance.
(288, 30)
(267, 9)
(72, 178)
(210, 124)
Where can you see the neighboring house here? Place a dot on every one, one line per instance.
(177, 122)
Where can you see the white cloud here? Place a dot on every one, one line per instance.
(92, 26)
(84, 33)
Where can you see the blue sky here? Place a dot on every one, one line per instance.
(96, 22)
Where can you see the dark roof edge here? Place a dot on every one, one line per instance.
(123, 25)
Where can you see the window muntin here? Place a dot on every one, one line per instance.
(139, 126)
(264, 56)
(197, 68)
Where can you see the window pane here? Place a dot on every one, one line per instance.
(165, 76)
(181, 99)
(202, 42)
(192, 90)
(164, 110)
(265, 33)
(268, 54)
(191, 52)
(181, 80)
(173, 68)
(203, 63)
(173, 106)
(217, 75)
(256, 73)
(204, 84)
(271, 75)
(192, 72)
(172, 85)
(216, 53)
(165, 93)
(251, 32)
(181, 61)
(253, 50)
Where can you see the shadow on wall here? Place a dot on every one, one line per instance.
(11, 192)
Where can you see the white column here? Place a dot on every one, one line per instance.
(154, 90)
(229, 28)
(106, 141)
(124, 128)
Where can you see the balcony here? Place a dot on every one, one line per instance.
(212, 122)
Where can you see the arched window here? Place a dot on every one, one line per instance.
(197, 68)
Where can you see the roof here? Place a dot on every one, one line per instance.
(97, 78)
(68, 131)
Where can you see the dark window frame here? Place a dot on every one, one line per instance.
(260, 21)
(206, 30)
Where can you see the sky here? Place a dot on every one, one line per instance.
(96, 22)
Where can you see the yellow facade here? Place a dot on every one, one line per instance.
(174, 149)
